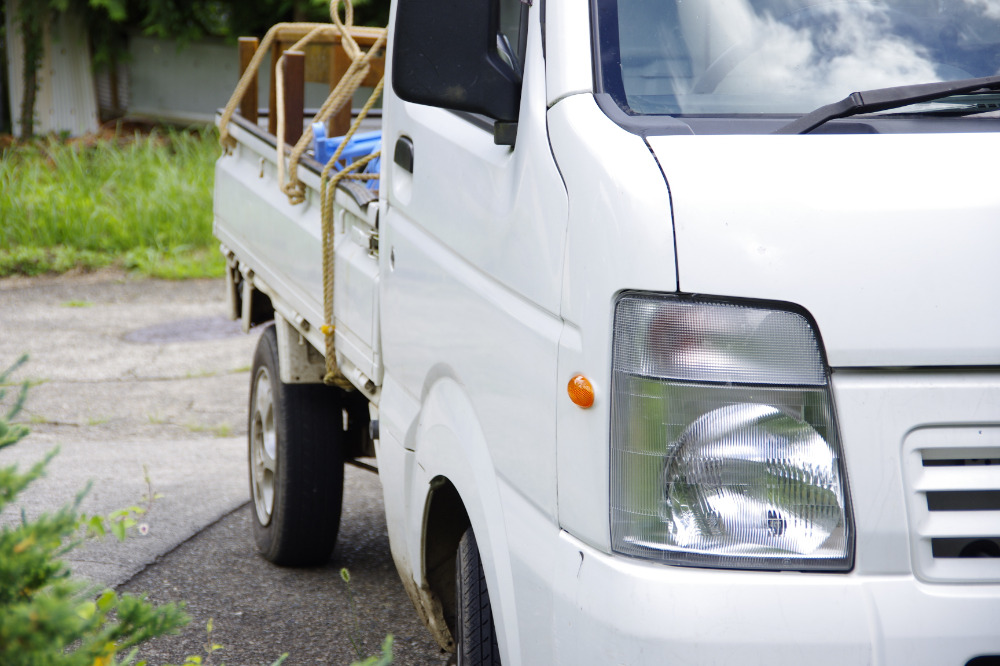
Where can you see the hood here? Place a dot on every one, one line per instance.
(891, 242)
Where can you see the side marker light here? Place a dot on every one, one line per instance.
(581, 391)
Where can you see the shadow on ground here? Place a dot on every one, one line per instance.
(259, 610)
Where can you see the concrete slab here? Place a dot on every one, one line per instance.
(117, 399)
(200, 481)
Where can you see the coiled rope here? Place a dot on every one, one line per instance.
(341, 94)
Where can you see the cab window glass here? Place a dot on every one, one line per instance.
(510, 29)
(787, 56)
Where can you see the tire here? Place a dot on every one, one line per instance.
(475, 631)
(296, 460)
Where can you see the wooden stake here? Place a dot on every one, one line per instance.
(295, 95)
(248, 105)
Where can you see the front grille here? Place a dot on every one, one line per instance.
(953, 486)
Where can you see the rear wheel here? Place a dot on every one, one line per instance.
(475, 631)
(295, 434)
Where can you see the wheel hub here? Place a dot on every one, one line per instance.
(263, 447)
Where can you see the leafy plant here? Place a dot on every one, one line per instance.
(47, 618)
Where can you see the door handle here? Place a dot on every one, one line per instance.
(403, 155)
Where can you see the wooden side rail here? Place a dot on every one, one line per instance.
(324, 61)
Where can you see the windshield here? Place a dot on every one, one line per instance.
(722, 57)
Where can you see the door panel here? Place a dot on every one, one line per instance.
(471, 289)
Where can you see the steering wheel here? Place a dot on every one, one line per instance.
(723, 66)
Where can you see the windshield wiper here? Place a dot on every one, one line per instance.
(883, 99)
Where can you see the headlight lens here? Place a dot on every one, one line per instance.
(724, 444)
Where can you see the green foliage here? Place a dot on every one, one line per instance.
(186, 20)
(383, 659)
(109, 22)
(11, 432)
(211, 648)
(176, 263)
(46, 618)
(5, 116)
(23, 260)
(153, 191)
(144, 202)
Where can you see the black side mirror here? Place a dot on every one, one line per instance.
(445, 54)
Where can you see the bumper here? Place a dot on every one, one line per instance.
(904, 603)
(616, 610)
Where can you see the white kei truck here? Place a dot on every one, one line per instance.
(664, 354)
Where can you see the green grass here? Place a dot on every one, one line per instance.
(223, 429)
(142, 203)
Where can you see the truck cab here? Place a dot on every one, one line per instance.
(791, 333)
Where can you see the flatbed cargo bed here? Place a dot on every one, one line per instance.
(275, 247)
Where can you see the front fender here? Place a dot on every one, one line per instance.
(449, 443)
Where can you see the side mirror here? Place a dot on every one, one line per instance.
(446, 54)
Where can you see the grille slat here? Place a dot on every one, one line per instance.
(969, 477)
(970, 524)
(953, 486)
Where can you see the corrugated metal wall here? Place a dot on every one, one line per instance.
(180, 85)
(191, 83)
(66, 100)
(159, 81)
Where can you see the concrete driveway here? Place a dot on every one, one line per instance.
(129, 375)
(134, 378)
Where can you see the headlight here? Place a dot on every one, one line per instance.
(724, 448)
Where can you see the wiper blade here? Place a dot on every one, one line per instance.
(883, 99)
(982, 101)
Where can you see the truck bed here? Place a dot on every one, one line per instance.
(277, 246)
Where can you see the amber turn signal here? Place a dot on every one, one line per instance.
(581, 391)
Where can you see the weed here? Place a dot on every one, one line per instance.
(96, 421)
(200, 374)
(143, 204)
(178, 263)
(219, 430)
(78, 304)
(27, 260)
(383, 659)
(31, 382)
(356, 629)
(210, 648)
